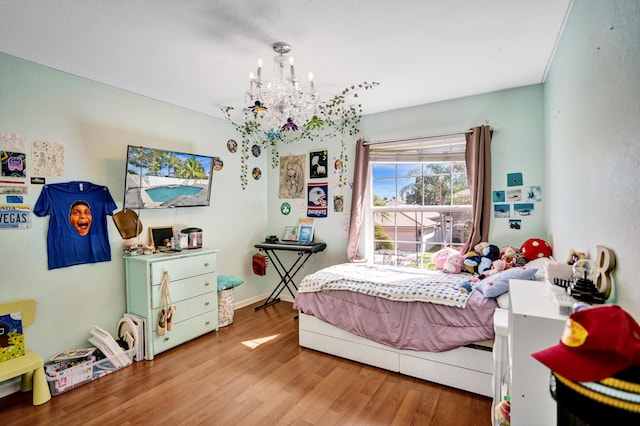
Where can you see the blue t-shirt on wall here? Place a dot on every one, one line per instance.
(77, 222)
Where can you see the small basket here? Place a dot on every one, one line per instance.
(225, 307)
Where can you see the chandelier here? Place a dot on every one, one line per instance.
(281, 103)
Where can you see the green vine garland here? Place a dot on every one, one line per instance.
(332, 118)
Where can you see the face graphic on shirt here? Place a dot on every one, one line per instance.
(80, 217)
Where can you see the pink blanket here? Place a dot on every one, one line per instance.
(419, 326)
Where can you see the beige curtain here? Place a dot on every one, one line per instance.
(360, 181)
(478, 159)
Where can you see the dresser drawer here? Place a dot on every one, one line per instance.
(183, 266)
(189, 308)
(185, 288)
(185, 331)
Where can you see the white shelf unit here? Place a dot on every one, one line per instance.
(534, 324)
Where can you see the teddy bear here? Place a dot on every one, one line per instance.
(513, 257)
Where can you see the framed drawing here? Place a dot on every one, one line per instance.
(160, 236)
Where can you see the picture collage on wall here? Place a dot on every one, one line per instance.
(294, 184)
(517, 201)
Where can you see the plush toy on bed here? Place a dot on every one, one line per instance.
(465, 287)
(513, 257)
(535, 248)
(497, 266)
(448, 260)
(481, 258)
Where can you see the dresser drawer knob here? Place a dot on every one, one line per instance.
(166, 339)
(207, 323)
(206, 264)
(206, 303)
(207, 284)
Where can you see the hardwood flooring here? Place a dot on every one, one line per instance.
(248, 373)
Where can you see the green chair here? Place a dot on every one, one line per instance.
(31, 365)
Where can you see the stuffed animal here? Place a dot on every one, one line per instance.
(465, 287)
(479, 248)
(535, 248)
(513, 257)
(497, 266)
(476, 262)
(453, 264)
(440, 257)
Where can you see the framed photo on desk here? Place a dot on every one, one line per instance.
(290, 233)
(160, 236)
(305, 233)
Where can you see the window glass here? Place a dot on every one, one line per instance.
(417, 209)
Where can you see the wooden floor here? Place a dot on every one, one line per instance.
(248, 373)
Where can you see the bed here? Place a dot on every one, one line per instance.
(406, 320)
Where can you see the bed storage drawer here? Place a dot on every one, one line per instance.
(462, 368)
(318, 335)
(465, 368)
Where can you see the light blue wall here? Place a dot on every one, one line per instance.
(592, 115)
(95, 123)
(517, 146)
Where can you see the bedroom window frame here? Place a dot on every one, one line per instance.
(443, 150)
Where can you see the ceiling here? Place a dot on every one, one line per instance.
(197, 54)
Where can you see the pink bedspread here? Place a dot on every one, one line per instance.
(416, 326)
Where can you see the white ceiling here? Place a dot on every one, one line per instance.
(197, 54)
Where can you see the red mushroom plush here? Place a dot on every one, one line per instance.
(535, 248)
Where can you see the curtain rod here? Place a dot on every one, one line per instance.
(419, 138)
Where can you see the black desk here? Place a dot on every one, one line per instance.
(287, 274)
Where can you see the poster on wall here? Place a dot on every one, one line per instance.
(48, 158)
(292, 171)
(14, 164)
(317, 204)
(15, 216)
(12, 141)
(318, 165)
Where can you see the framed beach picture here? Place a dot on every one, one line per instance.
(305, 231)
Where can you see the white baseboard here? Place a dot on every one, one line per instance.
(247, 302)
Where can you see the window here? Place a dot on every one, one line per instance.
(420, 200)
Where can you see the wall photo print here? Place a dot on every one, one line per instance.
(318, 164)
(501, 210)
(523, 209)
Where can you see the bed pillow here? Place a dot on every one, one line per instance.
(541, 265)
(497, 284)
(226, 282)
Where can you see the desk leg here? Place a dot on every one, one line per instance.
(286, 276)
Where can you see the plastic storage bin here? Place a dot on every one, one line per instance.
(66, 375)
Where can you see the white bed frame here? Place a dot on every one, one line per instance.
(462, 368)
